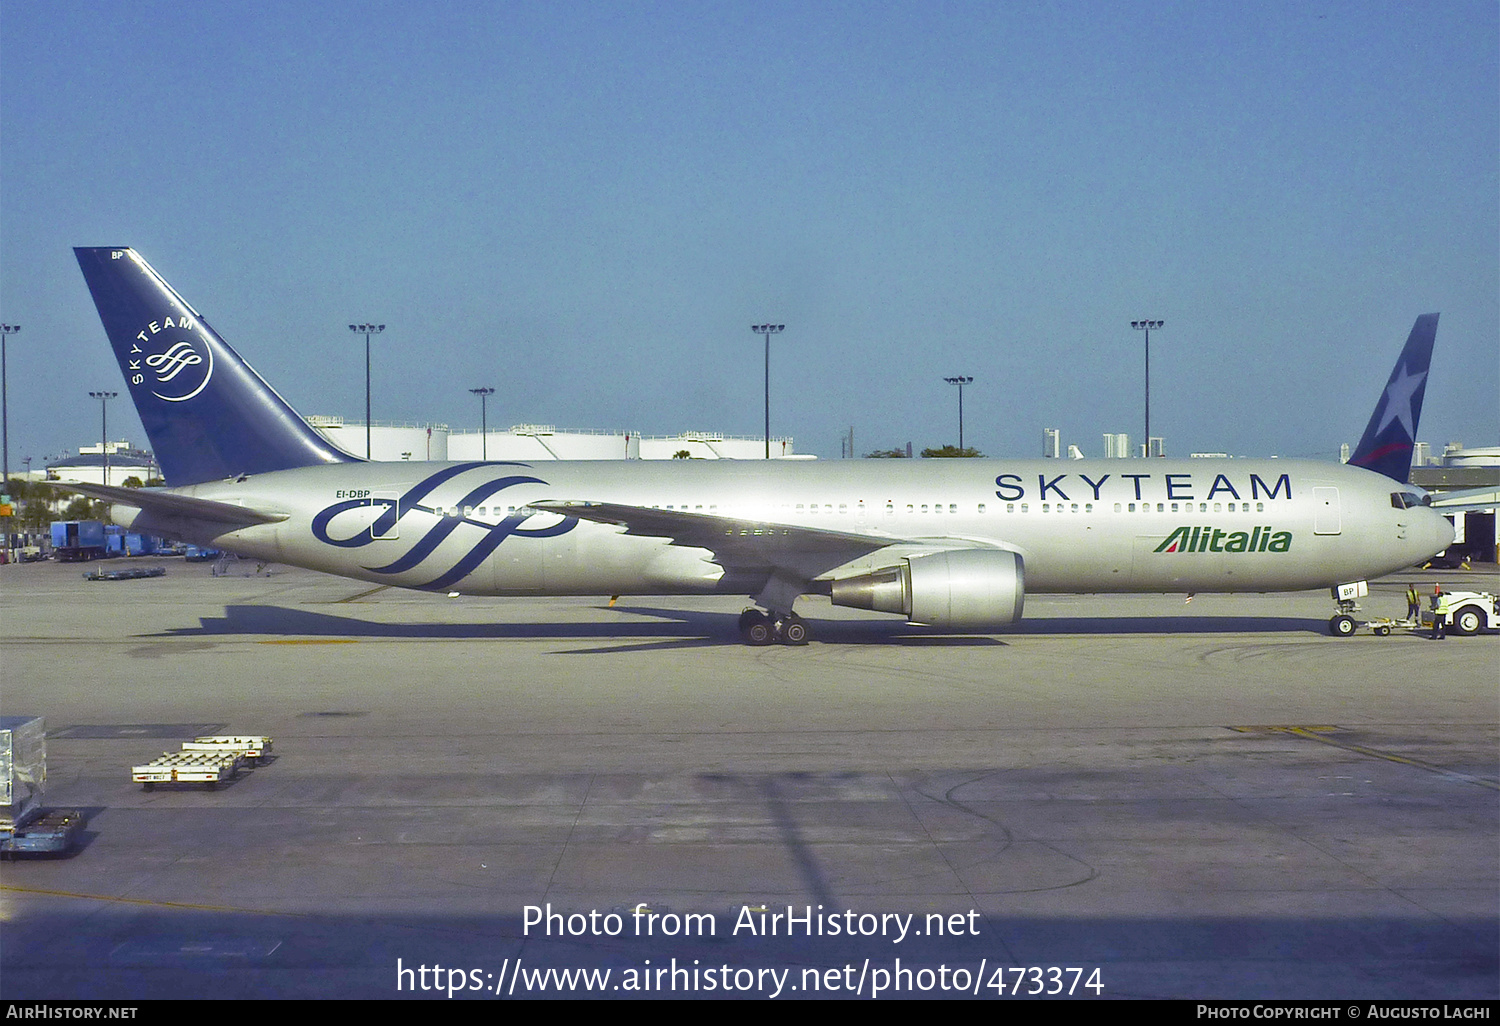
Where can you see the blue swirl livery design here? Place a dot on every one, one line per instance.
(482, 534)
(951, 544)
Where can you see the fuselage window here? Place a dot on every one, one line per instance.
(1025, 506)
(1260, 507)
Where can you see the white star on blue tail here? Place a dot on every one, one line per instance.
(1398, 400)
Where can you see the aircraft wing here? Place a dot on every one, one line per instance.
(739, 546)
(1469, 500)
(173, 504)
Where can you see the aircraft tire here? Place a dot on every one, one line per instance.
(1341, 626)
(793, 631)
(758, 631)
(1468, 620)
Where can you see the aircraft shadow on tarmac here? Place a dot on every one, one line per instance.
(689, 628)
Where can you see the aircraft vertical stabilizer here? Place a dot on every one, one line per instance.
(208, 414)
(1386, 447)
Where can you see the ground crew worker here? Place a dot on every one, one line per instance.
(1413, 603)
(1439, 614)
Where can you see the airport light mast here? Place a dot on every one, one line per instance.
(104, 398)
(1146, 326)
(768, 330)
(367, 330)
(484, 422)
(9, 330)
(960, 382)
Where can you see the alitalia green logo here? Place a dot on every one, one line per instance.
(1212, 539)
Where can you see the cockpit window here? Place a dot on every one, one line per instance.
(1409, 500)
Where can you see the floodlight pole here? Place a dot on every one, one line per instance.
(1146, 326)
(960, 382)
(104, 398)
(367, 330)
(484, 422)
(768, 330)
(9, 330)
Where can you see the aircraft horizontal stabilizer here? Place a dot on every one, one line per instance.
(171, 504)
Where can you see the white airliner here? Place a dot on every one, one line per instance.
(954, 544)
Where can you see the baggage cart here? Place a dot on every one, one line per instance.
(253, 748)
(207, 768)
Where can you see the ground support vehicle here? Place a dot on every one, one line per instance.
(253, 748)
(1466, 612)
(131, 573)
(43, 832)
(77, 540)
(25, 825)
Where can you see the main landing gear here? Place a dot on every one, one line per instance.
(759, 627)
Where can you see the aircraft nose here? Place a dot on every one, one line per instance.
(1442, 531)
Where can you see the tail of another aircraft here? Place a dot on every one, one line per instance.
(1387, 444)
(208, 414)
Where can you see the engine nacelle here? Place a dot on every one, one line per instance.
(966, 589)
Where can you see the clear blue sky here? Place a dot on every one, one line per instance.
(586, 206)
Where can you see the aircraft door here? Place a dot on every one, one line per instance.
(1326, 516)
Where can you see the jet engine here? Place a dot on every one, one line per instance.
(965, 589)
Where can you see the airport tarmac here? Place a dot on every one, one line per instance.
(1205, 799)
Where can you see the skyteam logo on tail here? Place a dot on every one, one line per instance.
(1213, 539)
(178, 368)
